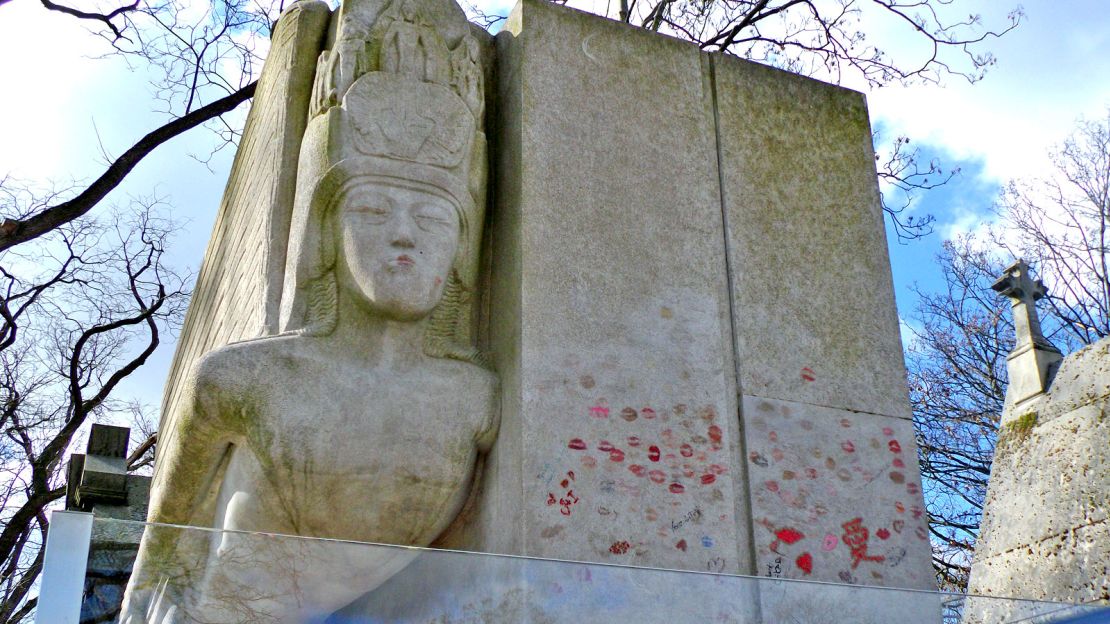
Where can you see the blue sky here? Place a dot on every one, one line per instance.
(60, 105)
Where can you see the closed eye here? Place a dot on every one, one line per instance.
(428, 216)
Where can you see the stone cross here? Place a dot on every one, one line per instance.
(1034, 359)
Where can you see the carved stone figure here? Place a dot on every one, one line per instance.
(364, 418)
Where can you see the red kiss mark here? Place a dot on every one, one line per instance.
(921, 533)
(564, 483)
(848, 446)
(897, 525)
(829, 543)
(894, 446)
(676, 488)
(633, 441)
(716, 469)
(605, 446)
(899, 507)
(619, 548)
(628, 414)
(647, 412)
(637, 470)
(808, 374)
(686, 450)
(898, 463)
(653, 453)
(888, 431)
(681, 545)
(882, 534)
(657, 476)
(789, 535)
(844, 422)
(589, 462)
(715, 433)
(805, 563)
(599, 411)
(772, 486)
(577, 444)
(897, 477)
(707, 479)
(773, 436)
(811, 473)
(912, 488)
(616, 455)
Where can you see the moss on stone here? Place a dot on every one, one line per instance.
(1018, 429)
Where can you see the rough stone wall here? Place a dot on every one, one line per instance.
(835, 486)
(615, 348)
(700, 359)
(1046, 524)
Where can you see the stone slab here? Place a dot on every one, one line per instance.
(616, 359)
(1048, 481)
(814, 312)
(1070, 566)
(836, 496)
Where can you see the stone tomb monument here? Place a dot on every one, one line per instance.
(666, 336)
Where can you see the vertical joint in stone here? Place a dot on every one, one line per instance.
(1034, 360)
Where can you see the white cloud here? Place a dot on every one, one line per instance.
(909, 330)
(1051, 70)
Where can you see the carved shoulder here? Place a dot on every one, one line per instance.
(231, 379)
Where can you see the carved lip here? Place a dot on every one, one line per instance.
(402, 260)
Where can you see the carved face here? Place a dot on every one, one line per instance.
(396, 247)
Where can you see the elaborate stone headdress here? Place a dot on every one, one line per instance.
(397, 101)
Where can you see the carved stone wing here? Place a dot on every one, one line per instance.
(238, 291)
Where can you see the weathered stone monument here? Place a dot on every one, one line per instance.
(679, 281)
(1046, 521)
(363, 418)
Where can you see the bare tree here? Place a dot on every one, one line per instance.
(1062, 224)
(203, 69)
(957, 360)
(80, 311)
(957, 376)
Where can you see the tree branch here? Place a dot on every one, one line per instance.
(14, 232)
(105, 18)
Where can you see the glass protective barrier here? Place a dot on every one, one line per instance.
(191, 575)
